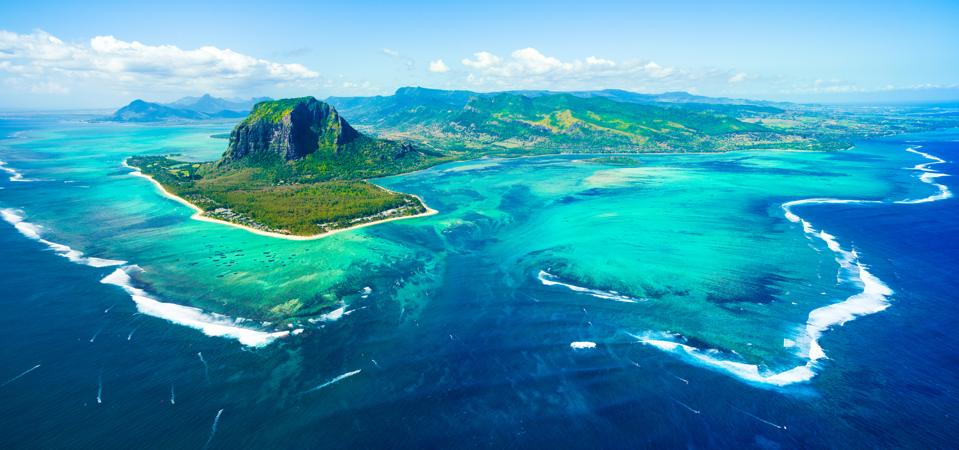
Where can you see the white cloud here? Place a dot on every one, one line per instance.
(408, 63)
(52, 65)
(483, 61)
(439, 66)
(528, 67)
(738, 78)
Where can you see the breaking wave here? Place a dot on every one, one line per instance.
(549, 279)
(211, 324)
(15, 175)
(873, 297)
(33, 231)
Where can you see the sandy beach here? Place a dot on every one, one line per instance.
(198, 213)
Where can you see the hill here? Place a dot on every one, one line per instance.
(209, 104)
(595, 121)
(295, 167)
(188, 108)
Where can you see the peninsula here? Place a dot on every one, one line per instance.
(294, 169)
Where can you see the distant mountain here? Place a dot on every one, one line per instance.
(544, 121)
(187, 108)
(213, 105)
(142, 111)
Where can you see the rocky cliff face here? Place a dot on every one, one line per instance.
(290, 128)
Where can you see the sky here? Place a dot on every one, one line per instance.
(102, 54)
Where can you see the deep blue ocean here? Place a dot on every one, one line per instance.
(95, 374)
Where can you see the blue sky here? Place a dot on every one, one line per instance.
(102, 54)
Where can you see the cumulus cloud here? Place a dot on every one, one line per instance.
(49, 64)
(439, 66)
(529, 67)
(738, 78)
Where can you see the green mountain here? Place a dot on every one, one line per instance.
(142, 111)
(597, 121)
(294, 166)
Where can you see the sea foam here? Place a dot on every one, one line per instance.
(873, 297)
(15, 175)
(211, 324)
(549, 279)
(34, 232)
(929, 176)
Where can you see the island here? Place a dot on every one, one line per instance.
(294, 168)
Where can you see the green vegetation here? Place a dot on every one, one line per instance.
(535, 122)
(274, 110)
(295, 166)
(614, 160)
(260, 198)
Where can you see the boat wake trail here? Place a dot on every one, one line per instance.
(781, 427)
(334, 380)
(549, 279)
(873, 297)
(206, 367)
(32, 231)
(216, 421)
(20, 376)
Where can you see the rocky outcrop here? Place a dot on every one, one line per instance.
(290, 128)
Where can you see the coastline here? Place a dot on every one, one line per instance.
(198, 213)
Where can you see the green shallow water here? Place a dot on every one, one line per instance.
(699, 241)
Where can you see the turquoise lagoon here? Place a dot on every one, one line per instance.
(689, 259)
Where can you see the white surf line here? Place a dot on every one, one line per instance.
(873, 298)
(781, 427)
(928, 176)
(332, 316)
(579, 345)
(33, 231)
(211, 324)
(20, 376)
(216, 421)
(549, 279)
(334, 380)
(15, 174)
